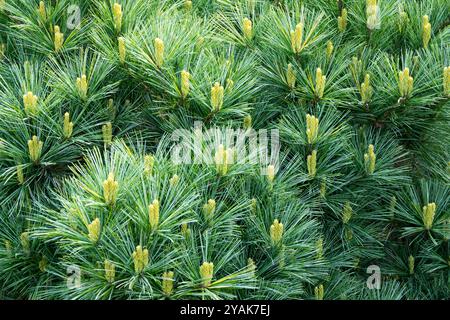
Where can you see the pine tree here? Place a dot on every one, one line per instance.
(92, 94)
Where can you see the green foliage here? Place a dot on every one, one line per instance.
(94, 97)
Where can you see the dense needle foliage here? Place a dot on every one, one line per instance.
(93, 205)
